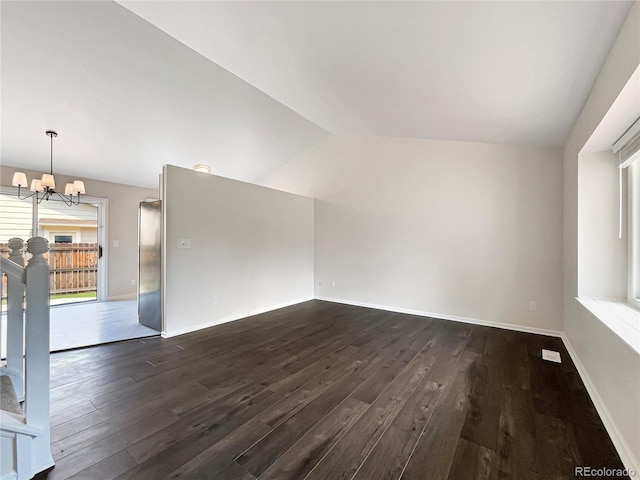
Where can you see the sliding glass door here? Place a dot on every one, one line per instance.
(75, 237)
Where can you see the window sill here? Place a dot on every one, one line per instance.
(618, 316)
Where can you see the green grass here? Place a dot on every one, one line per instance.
(74, 295)
(65, 296)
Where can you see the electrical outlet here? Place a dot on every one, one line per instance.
(333, 283)
(214, 300)
(116, 243)
(184, 243)
(533, 306)
(133, 281)
(319, 284)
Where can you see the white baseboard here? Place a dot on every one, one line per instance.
(213, 323)
(630, 461)
(128, 296)
(441, 316)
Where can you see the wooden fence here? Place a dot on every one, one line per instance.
(74, 267)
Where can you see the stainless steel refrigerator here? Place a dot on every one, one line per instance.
(149, 265)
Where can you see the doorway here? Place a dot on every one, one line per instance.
(81, 315)
(76, 235)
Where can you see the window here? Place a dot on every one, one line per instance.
(628, 149)
(609, 231)
(634, 234)
(63, 239)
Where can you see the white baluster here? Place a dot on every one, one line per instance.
(37, 350)
(15, 320)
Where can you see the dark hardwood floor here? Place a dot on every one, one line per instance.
(325, 391)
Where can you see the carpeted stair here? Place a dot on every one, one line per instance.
(8, 400)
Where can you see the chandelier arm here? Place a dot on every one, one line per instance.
(68, 201)
(25, 197)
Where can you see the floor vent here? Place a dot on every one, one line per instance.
(551, 356)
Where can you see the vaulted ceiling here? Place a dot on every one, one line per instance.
(500, 72)
(247, 86)
(126, 98)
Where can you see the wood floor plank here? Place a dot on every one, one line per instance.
(208, 422)
(384, 372)
(98, 424)
(290, 383)
(299, 459)
(388, 457)
(153, 387)
(88, 388)
(107, 469)
(261, 455)
(297, 400)
(517, 436)
(391, 453)
(321, 390)
(433, 453)
(556, 449)
(483, 417)
(104, 448)
(190, 459)
(379, 347)
(234, 472)
(219, 455)
(516, 369)
(68, 414)
(473, 462)
(343, 461)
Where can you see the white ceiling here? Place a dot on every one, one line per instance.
(504, 72)
(125, 97)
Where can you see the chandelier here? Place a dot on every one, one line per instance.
(44, 189)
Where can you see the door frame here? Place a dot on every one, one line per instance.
(102, 221)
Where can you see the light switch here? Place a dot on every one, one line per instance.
(184, 243)
(116, 243)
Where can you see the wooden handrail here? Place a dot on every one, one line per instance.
(12, 269)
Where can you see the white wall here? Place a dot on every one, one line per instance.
(456, 229)
(122, 225)
(608, 365)
(251, 248)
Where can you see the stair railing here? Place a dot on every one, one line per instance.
(28, 363)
